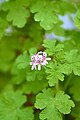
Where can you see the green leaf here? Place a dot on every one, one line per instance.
(61, 7)
(58, 30)
(77, 19)
(26, 114)
(54, 73)
(20, 17)
(19, 76)
(7, 54)
(51, 47)
(3, 27)
(44, 14)
(23, 61)
(72, 63)
(32, 75)
(63, 102)
(50, 105)
(34, 86)
(45, 101)
(11, 107)
(75, 88)
(33, 51)
(50, 113)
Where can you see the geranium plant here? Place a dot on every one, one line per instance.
(39, 75)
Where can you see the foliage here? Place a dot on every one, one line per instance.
(53, 91)
(52, 104)
(11, 109)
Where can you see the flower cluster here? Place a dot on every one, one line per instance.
(39, 59)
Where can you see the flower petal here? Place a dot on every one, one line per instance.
(48, 58)
(44, 62)
(33, 67)
(30, 63)
(39, 67)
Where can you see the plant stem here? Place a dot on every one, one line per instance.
(57, 86)
(67, 82)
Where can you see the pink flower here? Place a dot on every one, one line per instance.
(39, 59)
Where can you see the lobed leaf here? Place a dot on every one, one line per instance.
(23, 61)
(54, 73)
(11, 107)
(72, 63)
(51, 47)
(20, 17)
(51, 105)
(44, 14)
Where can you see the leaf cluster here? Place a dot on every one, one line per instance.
(53, 92)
